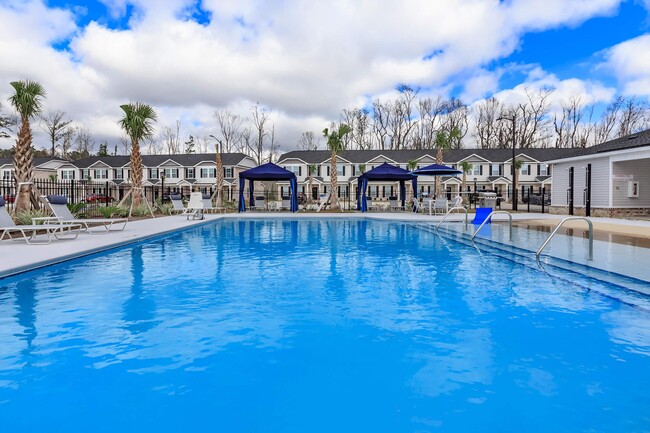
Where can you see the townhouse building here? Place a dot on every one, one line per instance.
(491, 170)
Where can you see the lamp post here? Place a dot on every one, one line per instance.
(162, 190)
(218, 171)
(514, 173)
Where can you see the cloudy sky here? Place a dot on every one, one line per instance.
(307, 60)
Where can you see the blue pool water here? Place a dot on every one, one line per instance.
(316, 326)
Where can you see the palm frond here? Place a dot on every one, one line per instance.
(27, 98)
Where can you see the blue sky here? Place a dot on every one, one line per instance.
(307, 60)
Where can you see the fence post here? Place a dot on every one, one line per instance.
(72, 191)
(528, 207)
(543, 197)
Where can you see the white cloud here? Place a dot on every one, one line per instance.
(630, 63)
(306, 60)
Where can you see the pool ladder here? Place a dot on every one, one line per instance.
(488, 219)
(591, 237)
(449, 212)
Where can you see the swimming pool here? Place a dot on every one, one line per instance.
(339, 325)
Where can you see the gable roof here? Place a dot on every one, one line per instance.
(183, 159)
(404, 156)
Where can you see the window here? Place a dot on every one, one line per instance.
(7, 174)
(85, 174)
(209, 173)
(118, 174)
(190, 173)
(340, 170)
(476, 169)
(227, 172)
(153, 173)
(100, 174)
(543, 169)
(494, 170)
(171, 173)
(67, 174)
(295, 169)
(525, 170)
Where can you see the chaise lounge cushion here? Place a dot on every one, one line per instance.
(206, 196)
(2, 201)
(175, 196)
(57, 199)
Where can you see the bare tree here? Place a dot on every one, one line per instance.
(488, 129)
(308, 141)
(273, 144)
(381, 114)
(360, 123)
(54, 125)
(230, 130)
(456, 122)
(634, 117)
(568, 122)
(430, 110)
(84, 142)
(68, 138)
(170, 137)
(7, 122)
(153, 146)
(259, 117)
(125, 142)
(608, 121)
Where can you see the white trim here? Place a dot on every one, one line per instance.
(469, 156)
(91, 167)
(169, 159)
(284, 161)
(381, 155)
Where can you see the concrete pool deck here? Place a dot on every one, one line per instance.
(17, 256)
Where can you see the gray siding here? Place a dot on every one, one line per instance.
(639, 169)
(599, 182)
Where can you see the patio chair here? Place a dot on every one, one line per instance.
(324, 200)
(260, 203)
(395, 204)
(418, 206)
(207, 204)
(440, 204)
(62, 215)
(29, 232)
(177, 202)
(195, 206)
(456, 202)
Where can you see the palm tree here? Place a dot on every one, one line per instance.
(138, 124)
(311, 169)
(335, 145)
(27, 102)
(465, 167)
(444, 140)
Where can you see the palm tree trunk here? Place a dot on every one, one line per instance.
(464, 185)
(23, 165)
(334, 198)
(438, 179)
(136, 175)
(310, 199)
(219, 168)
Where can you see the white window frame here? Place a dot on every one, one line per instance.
(100, 173)
(170, 173)
(211, 173)
(522, 172)
(543, 169)
(476, 170)
(191, 173)
(67, 174)
(494, 172)
(228, 172)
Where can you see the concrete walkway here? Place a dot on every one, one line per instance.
(17, 256)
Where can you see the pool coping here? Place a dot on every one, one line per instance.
(25, 258)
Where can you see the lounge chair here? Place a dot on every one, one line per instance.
(177, 202)
(418, 207)
(260, 203)
(395, 204)
(207, 204)
(29, 232)
(59, 206)
(440, 205)
(324, 200)
(194, 208)
(456, 202)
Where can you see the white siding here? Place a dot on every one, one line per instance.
(638, 169)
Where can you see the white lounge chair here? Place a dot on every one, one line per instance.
(29, 232)
(418, 206)
(324, 200)
(260, 203)
(194, 208)
(62, 215)
(395, 204)
(456, 202)
(207, 204)
(177, 202)
(440, 205)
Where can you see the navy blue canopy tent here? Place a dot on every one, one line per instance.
(437, 170)
(268, 171)
(385, 172)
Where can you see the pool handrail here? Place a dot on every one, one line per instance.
(494, 212)
(574, 218)
(449, 211)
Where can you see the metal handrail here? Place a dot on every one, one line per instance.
(447, 214)
(488, 219)
(591, 237)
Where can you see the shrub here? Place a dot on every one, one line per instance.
(25, 218)
(112, 211)
(165, 209)
(142, 210)
(77, 209)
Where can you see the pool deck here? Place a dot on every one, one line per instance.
(17, 256)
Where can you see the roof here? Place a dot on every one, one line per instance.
(37, 160)
(639, 139)
(183, 159)
(404, 156)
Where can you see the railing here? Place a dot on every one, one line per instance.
(488, 219)
(449, 212)
(591, 237)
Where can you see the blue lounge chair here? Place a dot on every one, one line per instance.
(481, 214)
